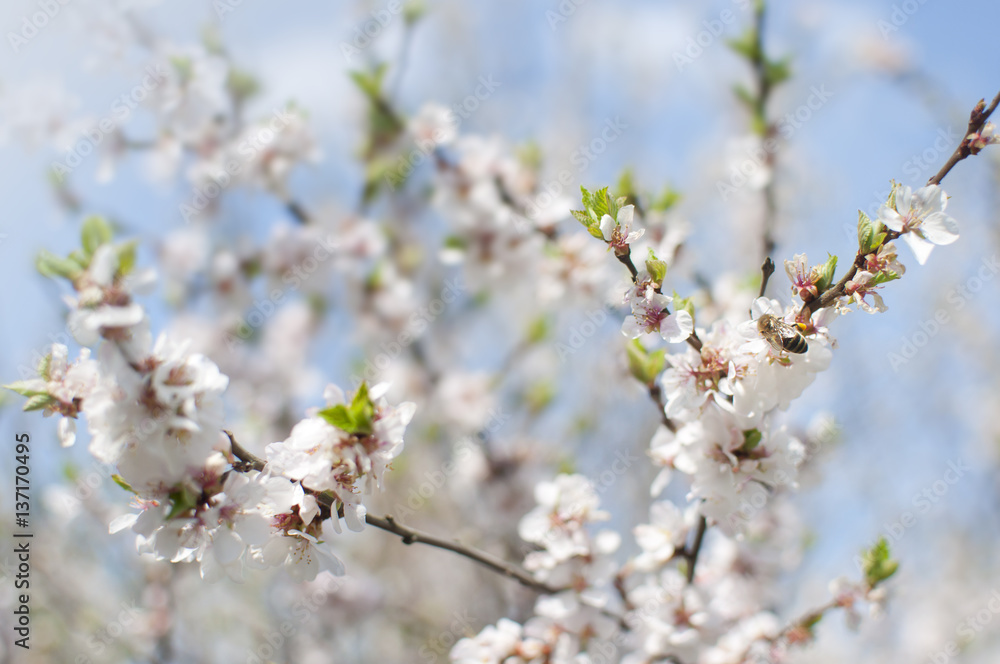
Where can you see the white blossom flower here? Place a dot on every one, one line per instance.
(302, 554)
(494, 645)
(661, 537)
(616, 231)
(920, 218)
(859, 287)
(433, 125)
(649, 316)
(565, 506)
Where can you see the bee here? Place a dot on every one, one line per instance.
(780, 335)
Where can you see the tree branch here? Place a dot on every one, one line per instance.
(413, 536)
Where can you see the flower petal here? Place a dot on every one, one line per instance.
(921, 248)
(677, 326)
(939, 228)
(608, 227)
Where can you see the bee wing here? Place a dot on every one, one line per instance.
(774, 342)
(786, 330)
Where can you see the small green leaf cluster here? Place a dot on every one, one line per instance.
(95, 233)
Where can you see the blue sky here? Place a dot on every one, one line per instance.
(558, 87)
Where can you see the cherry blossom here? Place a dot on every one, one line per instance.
(616, 231)
(920, 219)
(649, 316)
(860, 287)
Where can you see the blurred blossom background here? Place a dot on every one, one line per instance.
(879, 90)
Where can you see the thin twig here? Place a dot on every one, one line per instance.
(298, 212)
(802, 623)
(764, 88)
(412, 536)
(626, 260)
(691, 554)
(656, 394)
(980, 114)
(766, 270)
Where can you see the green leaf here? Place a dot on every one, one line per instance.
(870, 237)
(812, 621)
(684, 304)
(601, 204)
(538, 331)
(751, 439)
(413, 11)
(746, 45)
(181, 501)
(43, 366)
(50, 265)
(38, 402)
(183, 66)
(643, 365)
(242, 84)
(539, 395)
(876, 563)
(745, 96)
(363, 410)
(454, 242)
(666, 200)
(884, 277)
(826, 271)
(120, 481)
(890, 201)
(368, 83)
(212, 41)
(126, 256)
(338, 416)
(80, 258)
(25, 388)
(865, 232)
(582, 217)
(657, 269)
(778, 71)
(566, 466)
(530, 155)
(94, 232)
(626, 185)
(354, 418)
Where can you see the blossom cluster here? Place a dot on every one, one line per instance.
(155, 413)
